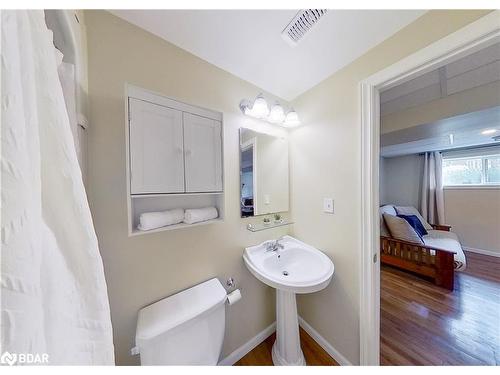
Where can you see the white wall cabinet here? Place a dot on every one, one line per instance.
(156, 152)
(202, 154)
(174, 156)
(172, 151)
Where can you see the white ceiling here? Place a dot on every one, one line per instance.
(466, 131)
(248, 43)
(474, 70)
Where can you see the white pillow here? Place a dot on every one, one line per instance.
(401, 230)
(408, 210)
(386, 209)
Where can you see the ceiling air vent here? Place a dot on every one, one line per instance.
(303, 21)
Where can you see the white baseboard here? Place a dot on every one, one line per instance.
(334, 353)
(247, 347)
(483, 252)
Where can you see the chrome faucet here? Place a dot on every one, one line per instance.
(275, 245)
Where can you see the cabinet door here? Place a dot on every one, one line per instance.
(156, 149)
(202, 153)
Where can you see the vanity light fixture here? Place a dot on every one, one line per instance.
(276, 115)
(258, 109)
(291, 119)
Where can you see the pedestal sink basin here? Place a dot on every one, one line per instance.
(290, 266)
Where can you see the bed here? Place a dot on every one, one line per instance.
(437, 258)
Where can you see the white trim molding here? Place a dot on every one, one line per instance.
(160, 99)
(247, 347)
(369, 323)
(490, 253)
(477, 35)
(471, 187)
(327, 347)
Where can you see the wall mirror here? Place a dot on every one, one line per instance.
(263, 173)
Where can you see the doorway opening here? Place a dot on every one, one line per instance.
(470, 39)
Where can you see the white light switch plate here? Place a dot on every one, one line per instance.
(267, 199)
(328, 205)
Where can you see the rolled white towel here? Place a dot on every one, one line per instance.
(153, 220)
(196, 215)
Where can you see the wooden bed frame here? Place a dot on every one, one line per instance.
(417, 258)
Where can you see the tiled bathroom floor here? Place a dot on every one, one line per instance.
(314, 354)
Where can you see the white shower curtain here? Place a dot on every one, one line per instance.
(66, 72)
(432, 197)
(54, 297)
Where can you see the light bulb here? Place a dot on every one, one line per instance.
(246, 108)
(488, 131)
(260, 109)
(292, 118)
(277, 114)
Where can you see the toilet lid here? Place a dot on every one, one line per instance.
(177, 309)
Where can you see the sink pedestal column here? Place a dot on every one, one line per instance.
(286, 348)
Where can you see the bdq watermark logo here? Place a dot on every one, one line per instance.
(24, 359)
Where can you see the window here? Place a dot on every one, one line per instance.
(481, 167)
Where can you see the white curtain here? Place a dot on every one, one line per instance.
(67, 77)
(66, 72)
(432, 197)
(54, 297)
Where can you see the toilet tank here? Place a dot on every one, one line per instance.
(186, 328)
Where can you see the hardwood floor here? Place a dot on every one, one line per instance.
(423, 324)
(261, 354)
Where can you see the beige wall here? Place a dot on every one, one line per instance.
(326, 162)
(400, 182)
(142, 269)
(474, 215)
(475, 99)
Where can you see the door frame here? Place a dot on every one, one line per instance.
(475, 36)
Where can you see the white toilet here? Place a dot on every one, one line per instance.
(184, 329)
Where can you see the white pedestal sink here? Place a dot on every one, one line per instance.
(294, 268)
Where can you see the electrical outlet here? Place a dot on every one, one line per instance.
(328, 205)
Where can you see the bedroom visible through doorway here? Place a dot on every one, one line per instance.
(439, 194)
